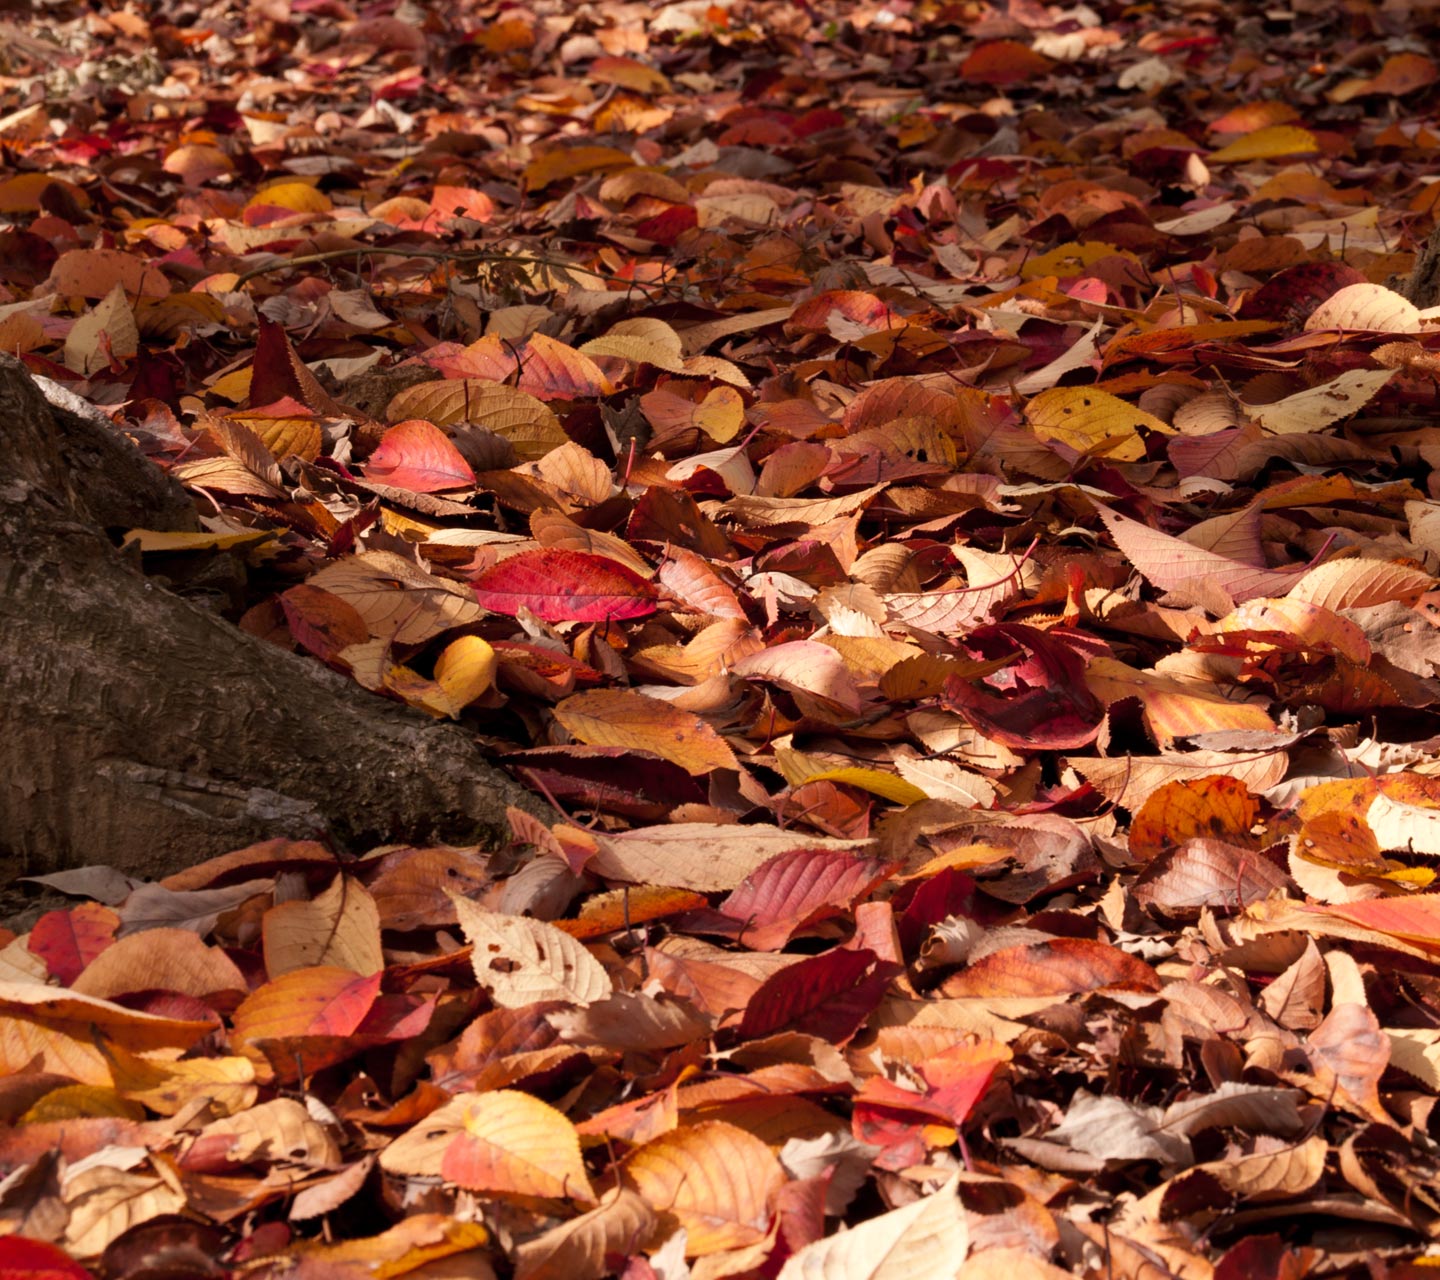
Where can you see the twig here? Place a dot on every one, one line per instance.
(434, 255)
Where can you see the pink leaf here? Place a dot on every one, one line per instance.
(798, 888)
(418, 456)
(565, 586)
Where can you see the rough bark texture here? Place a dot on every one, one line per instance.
(1423, 287)
(145, 732)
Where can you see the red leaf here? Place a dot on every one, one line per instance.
(321, 621)
(565, 586)
(1051, 707)
(418, 456)
(1063, 967)
(68, 940)
(798, 888)
(828, 996)
(22, 1259)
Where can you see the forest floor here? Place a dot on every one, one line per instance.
(940, 501)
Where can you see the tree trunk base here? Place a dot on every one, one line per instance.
(146, 733)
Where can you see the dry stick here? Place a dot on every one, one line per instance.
(435, 255)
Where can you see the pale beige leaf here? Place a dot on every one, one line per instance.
(228, 475)
(1317, 407)
(706, 857)
(925, 1240)
(1129, 780)
(655, 348)
(765, 512)
(108, 330)
(631, 1021)
(714, 367)
(1278, 1175)
(804, 666)
(946, 781)
(329, 1194)
(620, 718)
(399, 602)
(1409, 828)
(1200, 577)
(1366, 306)
(719, 1181)
(339, 927)
(1416, 1051)
(520, 961)
(105, 1202)
(731, 465)
(620, 1225)
(1015, 1263)
(278, 1131)
(1354, 583)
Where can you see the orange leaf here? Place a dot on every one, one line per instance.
(619, 718)
(503, 1143)
(719, 1181)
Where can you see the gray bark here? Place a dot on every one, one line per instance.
(1423, 287)
(143, 731)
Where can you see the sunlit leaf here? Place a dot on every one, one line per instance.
(719, 1181)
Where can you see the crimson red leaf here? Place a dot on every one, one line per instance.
(1050, 708)
(797, 888)
(565, 586)
(828, 996)
(22, 1259)
(417, 455)
(68, 940)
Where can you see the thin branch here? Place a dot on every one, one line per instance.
(434, 255)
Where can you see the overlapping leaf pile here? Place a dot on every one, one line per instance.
(939, 498)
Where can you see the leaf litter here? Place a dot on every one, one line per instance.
(938, 498)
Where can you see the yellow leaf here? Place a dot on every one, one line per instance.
(410, 1245)
(77, 1101)
(152, 540)
(234, 386)
(799, 769)
(285, 436)
(618, 718)
(1071, 259)
(465, 671)
(721, 414)
(227, 1084)
(1274, 142)
(298, 197)
(1093, 422)
(21, 194)
(569, 162)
